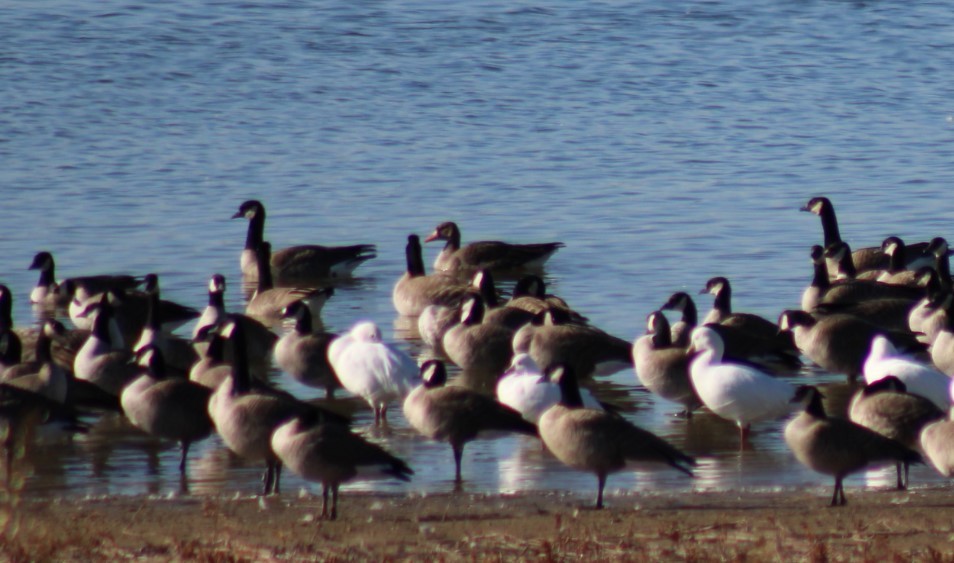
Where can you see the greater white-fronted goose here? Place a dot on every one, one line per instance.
(600, 442)
(372, 369)
(297, 265)
(49, 292)
(488, 254)
(331, 454)
(303, 353)
(415, 290)
(736, 392)
(268, 301)
(170, 408)
(835, 446)
(886, 407)
(662, 367)
(457, 415)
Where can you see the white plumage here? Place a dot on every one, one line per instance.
(528, 391)
(921, 379)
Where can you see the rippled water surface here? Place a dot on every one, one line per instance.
(664, 143)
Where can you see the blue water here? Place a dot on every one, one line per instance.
(663, 143)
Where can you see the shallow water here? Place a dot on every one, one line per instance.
(663, 144)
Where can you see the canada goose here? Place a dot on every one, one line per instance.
(884, 360)
(942, 264)
(297, 265)
(553, 339)
(662, 367)
(886, 407)
(303, 353)
(847, 291)
(11, 347)
(835, 446)
(942, 347)
(755, 325)
(483, 350)
(838, 343)
(260, 339)
(488, 254)
(457, 415)
(897, 272)
(170, 408)
(863, 258)
(246, 419)
(530, 294)
(98, 361)
(527, 390)
(267, 303)
(415, 290)
(732, 391)
(937, 443)
(597, 441)
(740, 345)
(177, 353)
(932, 303)
(53, 383)
(331, 454)
(49, 292)
(372, 369)
(841, 263)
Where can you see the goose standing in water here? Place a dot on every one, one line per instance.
(331, 454)
(835, 446)
(525, 389)
(886, 407)
(662, 367)
(170, 408)
(457, 415)
(487, 255)
(597, 441)
(303, 353)
(415, 290)
(296, 265)
(885, 360)
(372, 369)
(732, 391)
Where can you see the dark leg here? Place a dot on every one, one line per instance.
(599, 495)
(267, 479)
(834, 496)
(324, 500)
(458, 454)
(902, 474)
(277, 477)
(334, 501)
(182, 462)
(744, 435)
(377, 415)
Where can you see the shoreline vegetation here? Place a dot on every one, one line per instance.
(876, 524)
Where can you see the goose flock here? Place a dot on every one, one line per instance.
(882, 316)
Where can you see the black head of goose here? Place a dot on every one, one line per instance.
(457, 415)
(835, 446)
(722, 311)
(487, 255)
(681, 329)
(99, 361)
(942, 263)
(303, 353)
(662, 367)
(170, 408)
(178, 353)
(49, 292)
(296, 265)
(530, 294)
(847, 288)
(597, 441)
(268, 301)
(415, 290)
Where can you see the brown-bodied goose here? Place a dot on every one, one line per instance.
(170, 408)
(552, 338)
(838, 447)
(331, 454)
(864, 258)
(823, 290)
(886, 407)
(246, 419)
(178, 354)
(487, 255)
(415, 290)
(597, 441)
(11, 347)
(268, 301)
(49, 292)
(937, 443)
(302, 353)
(755, 325)
(297, 265)
(530, 294)
(481, 348)
(457, 415)
(662, 367)
(99, 361)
